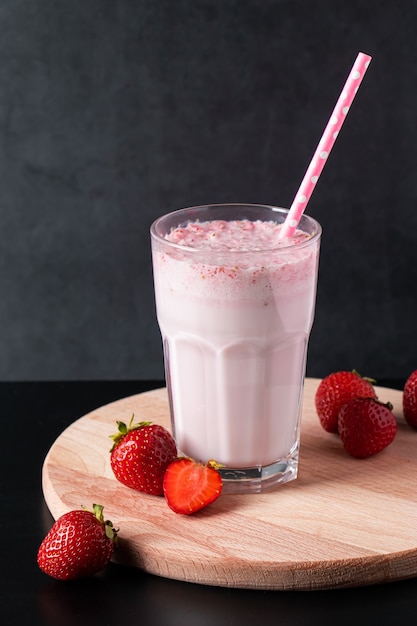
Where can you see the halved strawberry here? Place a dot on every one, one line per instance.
(190, 486)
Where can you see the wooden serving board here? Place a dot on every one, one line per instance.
(343, 522)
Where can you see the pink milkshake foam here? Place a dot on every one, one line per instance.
(237, 260)
(233, 235)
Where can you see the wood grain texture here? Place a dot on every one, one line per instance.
(344, 522)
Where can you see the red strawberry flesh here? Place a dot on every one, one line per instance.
(191, 486)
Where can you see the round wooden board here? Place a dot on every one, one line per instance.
(344, 522)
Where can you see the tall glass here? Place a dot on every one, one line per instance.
(235, 324)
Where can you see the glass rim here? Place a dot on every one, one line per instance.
(315, 236)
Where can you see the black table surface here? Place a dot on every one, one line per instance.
(33, 415)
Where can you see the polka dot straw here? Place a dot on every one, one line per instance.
(325, 144)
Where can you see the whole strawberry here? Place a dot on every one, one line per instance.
(337, 389)
(140, 455)
(80, 543)
(366, 426)
(410, 400)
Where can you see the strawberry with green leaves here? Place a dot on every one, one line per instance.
(79, 544)
(366, 426)
(190, 486)
(140, 455)
(337, 389)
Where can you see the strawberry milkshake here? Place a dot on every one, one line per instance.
(235, 306)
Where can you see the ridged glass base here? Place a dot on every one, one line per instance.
(260, 478)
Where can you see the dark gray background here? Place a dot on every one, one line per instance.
(113, 113)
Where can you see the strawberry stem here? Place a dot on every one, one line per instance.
(214, 464)
(98, 512)
(123, 430)
(111, 532)
(369, 380)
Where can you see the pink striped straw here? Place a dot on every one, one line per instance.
(325, 145)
